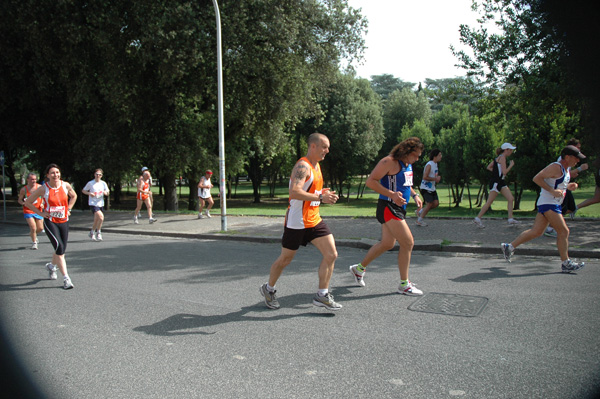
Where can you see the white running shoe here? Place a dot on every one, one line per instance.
(358, 277)
(409, 289)
(91, 235)
(507, 251)
(51, 271)
(569, 266)
(151, 220)
(67, 284)
(135, 220)
(200, 216)
(208, 214)
(478, 223)
(34, 245)
(513, 221)
(421, 222)
(98, 236)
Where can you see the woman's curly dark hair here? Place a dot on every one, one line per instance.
(405, 147)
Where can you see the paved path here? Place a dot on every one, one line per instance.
(456, 235)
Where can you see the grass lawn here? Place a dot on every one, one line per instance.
(243, 204)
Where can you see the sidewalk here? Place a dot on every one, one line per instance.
(456, 235)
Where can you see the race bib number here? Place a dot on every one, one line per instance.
(58, 212)
(408, 178)
(316, 203)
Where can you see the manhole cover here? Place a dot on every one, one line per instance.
(450, 304)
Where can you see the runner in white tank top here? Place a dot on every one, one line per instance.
(554, 181)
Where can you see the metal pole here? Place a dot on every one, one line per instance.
(222, 177)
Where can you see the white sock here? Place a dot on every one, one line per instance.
(270, 289)
(322, 292)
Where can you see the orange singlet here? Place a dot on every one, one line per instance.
(305, 214)
(143, 196)
(37, 203)
(57, 202)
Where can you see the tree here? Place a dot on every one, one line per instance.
(386, 84)
(463, 90)
(402, 108)
(354, 127)
(528, 62)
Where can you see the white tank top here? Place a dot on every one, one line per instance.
(559, 183)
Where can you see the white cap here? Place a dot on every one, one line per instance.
(508, 146)
(144, 169)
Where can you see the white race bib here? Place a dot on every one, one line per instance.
(408, 178)
(58, 212)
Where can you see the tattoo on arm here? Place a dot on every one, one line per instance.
(299, 173)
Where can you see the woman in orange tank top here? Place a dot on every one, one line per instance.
(34, 221)
(59, 199)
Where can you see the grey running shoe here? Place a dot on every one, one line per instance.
(151, 220)
(507, 251)
(421, 222)
(326, 301)
(357, 276)
(409, 289)
(572, 214)
(200, 216)
(51, 271)
(550, 233)
(478, 223)
(34, 245)
(569, 266)
(270, 298)
(67, 284)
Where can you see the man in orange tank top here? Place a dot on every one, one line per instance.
(303, 224)
(144, 197)
(34, 221)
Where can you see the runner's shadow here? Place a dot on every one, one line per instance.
(14, 249)
(495, 273)
(24, 286)
(186, 324)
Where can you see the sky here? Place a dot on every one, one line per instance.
(410, 39)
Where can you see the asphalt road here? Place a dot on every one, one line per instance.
(158, 317)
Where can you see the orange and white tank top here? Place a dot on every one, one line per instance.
(57, 202)
(145, 185)
(37, 203)
(305, 214)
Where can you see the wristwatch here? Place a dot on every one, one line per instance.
(321, 197)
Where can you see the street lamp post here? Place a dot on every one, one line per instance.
(222, 185)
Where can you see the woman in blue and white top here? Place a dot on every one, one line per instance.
(554, 181)
(392, 179)
(431, 176)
